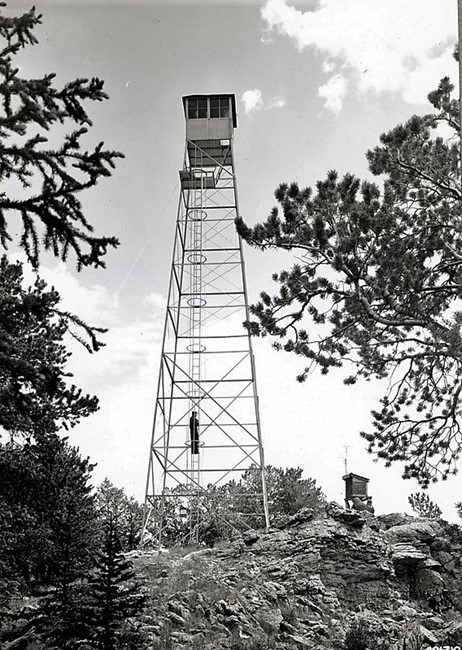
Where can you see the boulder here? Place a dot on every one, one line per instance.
(452, 634)
(407, 554)
(250, 537)
(428, 636)
(274, 591)
(405, 612)
(429, 585)
(431, 563)
(424, 531)
(394, 519)
(348, 517)
(303, 515)
(433, 622)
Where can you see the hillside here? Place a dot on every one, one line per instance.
(340, 580)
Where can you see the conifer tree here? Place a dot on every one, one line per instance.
(230, 508)
(423, 506)
(96, 612)
(42, 184)
(47, 515)
(114, 596)
(43, 175)
(459, 508)
(377, 285)
(35, 398)
(287, 491)
(112, 504)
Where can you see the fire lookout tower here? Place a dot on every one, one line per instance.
(206, 428)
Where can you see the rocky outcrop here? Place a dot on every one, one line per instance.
(311, 583)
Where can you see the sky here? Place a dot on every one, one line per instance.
(316, 83)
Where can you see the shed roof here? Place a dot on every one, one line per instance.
(351, 475)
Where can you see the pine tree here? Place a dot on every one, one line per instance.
(50, 179)
(47, 515)
(41, 190)
(423, 506)
(96, 612)
(62, 619)
(287, 492)
(35, 399)
(114, 596)
(48, 536)
(224, 510)
(125, 512)
(378, 284)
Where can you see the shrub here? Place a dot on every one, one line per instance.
(357, 637)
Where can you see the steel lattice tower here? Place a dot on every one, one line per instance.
(206, 427)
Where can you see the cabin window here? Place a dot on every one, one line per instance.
(203, 107)
(219, 107)
(197, 108)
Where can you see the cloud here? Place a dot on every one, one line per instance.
(128, 342)
(276, 102)
(252, 100)
(333, 92)
(383, 45)
(123, 374)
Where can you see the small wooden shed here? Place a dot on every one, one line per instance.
(355, 486)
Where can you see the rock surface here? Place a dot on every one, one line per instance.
(310, 584)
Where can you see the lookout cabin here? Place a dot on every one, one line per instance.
(210, 123)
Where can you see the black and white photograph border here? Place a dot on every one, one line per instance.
(230, 324)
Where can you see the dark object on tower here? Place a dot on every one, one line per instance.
(356, 493)
(194, 433)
